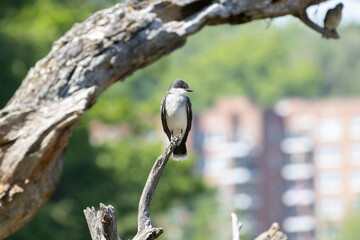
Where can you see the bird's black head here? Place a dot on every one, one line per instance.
(179, 83)
(340, 6)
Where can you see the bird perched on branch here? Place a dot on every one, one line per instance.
(333, 17)
(176, 115)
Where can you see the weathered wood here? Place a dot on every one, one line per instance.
(145, 229)
(102, 223)
(272, 233)
(108, 46)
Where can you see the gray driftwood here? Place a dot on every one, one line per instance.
(102, 223)
(107, 47)
(272, 233)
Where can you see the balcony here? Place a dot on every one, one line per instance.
(295, 145)
(233, 176)
(297, 197)
(299, 224)
(297, 171)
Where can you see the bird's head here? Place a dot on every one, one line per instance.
(339, 7)
(179, 87)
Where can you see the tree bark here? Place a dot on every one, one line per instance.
(107, 47)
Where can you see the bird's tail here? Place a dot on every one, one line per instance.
(180, 152)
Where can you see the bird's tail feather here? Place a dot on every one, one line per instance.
(180, 152)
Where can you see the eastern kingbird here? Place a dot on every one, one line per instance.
(176, 115)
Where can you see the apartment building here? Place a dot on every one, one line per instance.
(298, 164)
(322, 148)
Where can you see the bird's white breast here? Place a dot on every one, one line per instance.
(176, 114)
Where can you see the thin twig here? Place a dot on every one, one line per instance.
(325, 32)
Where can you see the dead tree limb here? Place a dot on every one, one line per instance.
(236, 227)
(145, 229)
(102, 223)
(272, 233)
(107, 47)
(325, 32)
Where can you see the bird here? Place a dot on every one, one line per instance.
(176, 115)
(333, 17)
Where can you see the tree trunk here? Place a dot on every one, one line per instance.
(38, 120)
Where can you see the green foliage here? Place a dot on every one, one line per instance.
(27, 30)
(350, 229)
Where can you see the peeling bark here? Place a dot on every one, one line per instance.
(107, 47)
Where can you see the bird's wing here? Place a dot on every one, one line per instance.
(163, 118)
(189, 119)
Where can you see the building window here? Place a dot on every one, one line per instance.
(299, 158)
(355, 181)
(355, 153)
(329, 182)
(331, 209)
(213, 137)
(215, 163)
(330, 129)
(328, 156)
(355, 127)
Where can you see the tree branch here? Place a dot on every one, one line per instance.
(325, 32)
(107, 47)
(272, 233)
(102, 223)
(236, 227)
(145, 230)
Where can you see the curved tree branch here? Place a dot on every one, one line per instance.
(145, 230)
(102, 223)
(325, 32)
(107, 47)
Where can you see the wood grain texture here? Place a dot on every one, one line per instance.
(107, 47)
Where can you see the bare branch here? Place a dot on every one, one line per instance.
(145, 230)
(325, 32)
(236, 227)
(102, 223)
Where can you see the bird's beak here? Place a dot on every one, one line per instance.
(189, 90)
